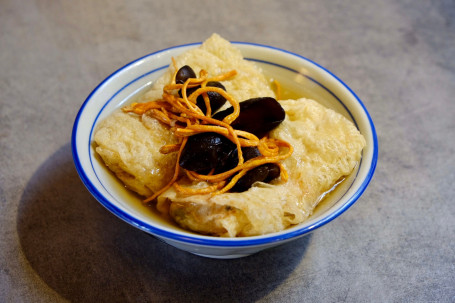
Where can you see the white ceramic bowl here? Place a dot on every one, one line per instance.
(296, 73)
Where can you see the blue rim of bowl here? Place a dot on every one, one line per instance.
(213, 241)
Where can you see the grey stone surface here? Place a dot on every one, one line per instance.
(397, 244)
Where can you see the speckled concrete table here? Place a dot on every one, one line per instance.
(396, 244)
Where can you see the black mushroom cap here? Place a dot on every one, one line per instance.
(216, 99)
(206, 151)
(183, 74)
(257, 115)
(264, 173)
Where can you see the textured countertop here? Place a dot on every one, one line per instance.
(396, 244)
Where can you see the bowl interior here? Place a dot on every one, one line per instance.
(298, 76)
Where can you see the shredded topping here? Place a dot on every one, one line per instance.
(185, 119)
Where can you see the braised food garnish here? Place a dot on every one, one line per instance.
(230, 149)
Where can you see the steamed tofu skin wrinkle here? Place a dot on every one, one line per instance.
(129, 146)
(326, 147)
(217, 56)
